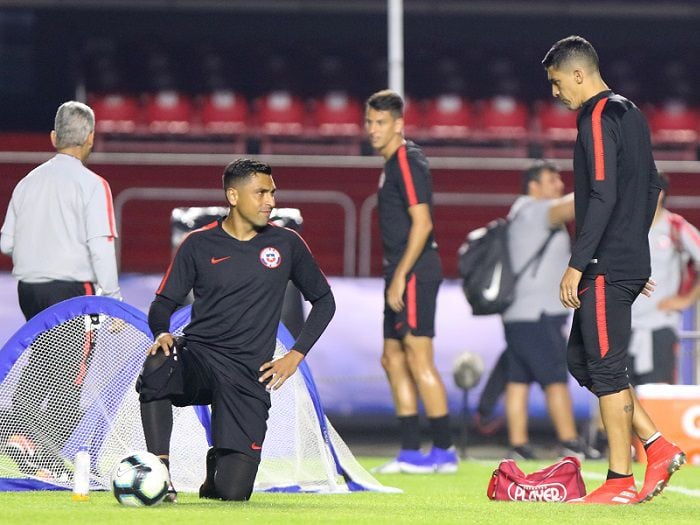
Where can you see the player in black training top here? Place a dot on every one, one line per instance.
(616, 188)
(412, 272)
(238, 269)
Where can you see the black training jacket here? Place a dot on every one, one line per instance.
(616, 187)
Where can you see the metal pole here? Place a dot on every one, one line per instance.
(395, 65)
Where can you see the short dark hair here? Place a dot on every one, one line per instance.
(568, 48)
(241, 169)
(534, 172)
(387, 100)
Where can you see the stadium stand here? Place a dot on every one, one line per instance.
(675, 127)
(115, 113)
(556, 128)
(168, 112)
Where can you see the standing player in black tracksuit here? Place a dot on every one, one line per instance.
(616, 189)
(412, 273)
(238, 269)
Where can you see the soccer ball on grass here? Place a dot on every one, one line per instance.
(140, 479)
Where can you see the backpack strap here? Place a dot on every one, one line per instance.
(537, 256)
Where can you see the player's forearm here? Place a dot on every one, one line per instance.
(104, 264)
(321, 313)
(417, 237)
(594, 226)
(159, 315)
(7, 243)
(562, 210)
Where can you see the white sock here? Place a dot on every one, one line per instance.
(654, 437)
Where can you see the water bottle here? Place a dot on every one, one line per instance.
(81, 475)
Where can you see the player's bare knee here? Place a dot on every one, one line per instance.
(393, 361)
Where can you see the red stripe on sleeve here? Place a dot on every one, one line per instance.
(411, 303)
(170, 267)
(598, 149)
(407, 176)
(110, 208)
(691, 232)
(89, 290)
(600, 315)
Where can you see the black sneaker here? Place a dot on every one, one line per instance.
(579, 450)
(207, 489)
(488, 425)
(521, 452)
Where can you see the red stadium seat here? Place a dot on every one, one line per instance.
(115, 113)
(338, 114)
(281, 113)
(169, 112)
(414, 118)
(675, 129)
(449, 116)
(282, 124)
(504, 127)
(557, 129)
(504, 117)
(224, 112)
(336, 126)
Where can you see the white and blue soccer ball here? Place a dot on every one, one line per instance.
(140, 479)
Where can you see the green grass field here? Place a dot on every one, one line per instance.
(459, 498)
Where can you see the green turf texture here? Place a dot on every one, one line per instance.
(437, 498)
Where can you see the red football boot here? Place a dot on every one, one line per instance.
(621, 491)
(663, 459)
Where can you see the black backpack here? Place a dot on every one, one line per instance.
(484, 263)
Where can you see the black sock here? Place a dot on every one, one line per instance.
(617, 475)
(207, 489)
(440, 429)
(157, 421)
(410, 432)
(235, 475)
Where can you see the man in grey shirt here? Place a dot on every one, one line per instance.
(60, 231)
(535, 322)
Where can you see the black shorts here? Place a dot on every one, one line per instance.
(537, 350)
(418, 315)
(597, 352)
(195, 375)
(37, 297)
(665, 350)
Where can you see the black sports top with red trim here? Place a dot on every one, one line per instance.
(616, 187)
(405, 182)
(238, 291)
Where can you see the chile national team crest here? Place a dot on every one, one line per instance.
(270, 257)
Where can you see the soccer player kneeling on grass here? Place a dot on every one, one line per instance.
(238, 269)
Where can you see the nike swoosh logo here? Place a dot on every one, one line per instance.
(214, 260)
(122, 470)
(581, 292)
(255, 446)
(491, 292)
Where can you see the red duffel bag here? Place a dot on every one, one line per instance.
(559, 482)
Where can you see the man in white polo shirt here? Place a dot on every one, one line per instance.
(673, 242)
(60, 231)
